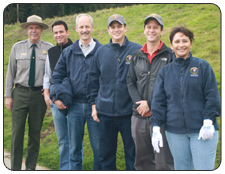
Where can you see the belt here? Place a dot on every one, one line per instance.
(28, 88)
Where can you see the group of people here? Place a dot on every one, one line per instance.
(162, 100)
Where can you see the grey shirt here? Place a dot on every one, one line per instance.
(19, 64)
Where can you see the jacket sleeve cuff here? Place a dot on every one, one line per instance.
(54, 98)
(92, 102)
(149, 103)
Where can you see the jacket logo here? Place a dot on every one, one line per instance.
(128, 59)
(164, 59)
(194, 72)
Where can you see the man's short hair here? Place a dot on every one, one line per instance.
(92, 22)
(60, 23)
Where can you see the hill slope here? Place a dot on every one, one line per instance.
(203, 19)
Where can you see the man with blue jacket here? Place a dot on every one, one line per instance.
(73, 66)
(109, 97)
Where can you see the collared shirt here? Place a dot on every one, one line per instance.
(19, 64)
(150, 57)
(88, 48)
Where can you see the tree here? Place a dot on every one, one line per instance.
(19, 12)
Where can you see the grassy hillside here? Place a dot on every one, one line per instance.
(203, 19)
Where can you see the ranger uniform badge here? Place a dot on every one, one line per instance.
(44, 52)
(194, 72)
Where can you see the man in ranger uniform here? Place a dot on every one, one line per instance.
(25, 71)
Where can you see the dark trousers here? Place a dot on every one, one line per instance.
(31, 104)
(146, 158)
(109, 128)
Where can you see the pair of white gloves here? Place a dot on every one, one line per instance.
(206, 132)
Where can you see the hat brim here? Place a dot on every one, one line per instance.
(147, 19)
(25, 24)
(116, 21)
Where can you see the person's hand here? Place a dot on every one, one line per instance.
(143, 108)
(157, 140)
(207, 130)
(60, 105)
(94, 114)
(147, 114)
(8, 103)
(48, 101)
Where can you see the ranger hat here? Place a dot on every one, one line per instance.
(34, 19)
(117, 18)
(156, 17)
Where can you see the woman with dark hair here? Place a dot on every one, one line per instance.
(187, 100)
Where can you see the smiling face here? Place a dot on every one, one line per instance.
(34, 32)
(181, 45)
(60, 34)
(85, 28)
(153, 31)
(117, 32)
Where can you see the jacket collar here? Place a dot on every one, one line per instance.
(180, 60)
(65, 45)
(76, 48)
(126, 41)
(144, 55)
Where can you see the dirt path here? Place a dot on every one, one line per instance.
(7, 163)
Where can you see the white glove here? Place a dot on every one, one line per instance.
(207, 130)
(157, 139)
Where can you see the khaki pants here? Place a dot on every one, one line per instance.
(31, 104)
(146, 158)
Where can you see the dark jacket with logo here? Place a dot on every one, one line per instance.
(142, 75)
(185, 94)
(107, 79)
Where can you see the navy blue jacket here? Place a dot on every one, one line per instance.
(64, 93)
(185, 94)
(74, 65)
(107, 79)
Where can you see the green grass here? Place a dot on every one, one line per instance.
(203, 19)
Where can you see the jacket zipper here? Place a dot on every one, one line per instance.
(182, 95)
(117, 69)
(150, 68)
